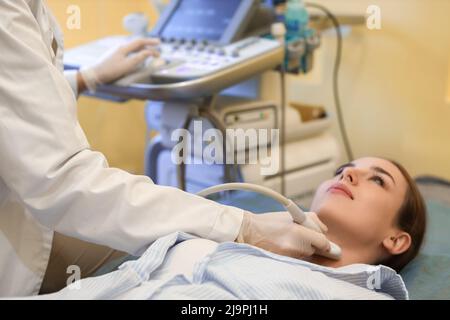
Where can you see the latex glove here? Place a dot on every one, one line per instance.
(119, 62)
(278, 233)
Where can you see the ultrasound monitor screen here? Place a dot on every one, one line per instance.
(200, 19)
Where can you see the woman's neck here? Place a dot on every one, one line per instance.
(352, 252)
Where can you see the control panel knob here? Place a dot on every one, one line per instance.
(136, 24)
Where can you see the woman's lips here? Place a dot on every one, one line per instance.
(341, 189)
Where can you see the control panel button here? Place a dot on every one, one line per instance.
(221, 52)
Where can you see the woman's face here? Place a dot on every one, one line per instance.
(361, 203)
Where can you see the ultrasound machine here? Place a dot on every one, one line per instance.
(220, 65)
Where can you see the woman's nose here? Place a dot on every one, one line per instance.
(350, 175)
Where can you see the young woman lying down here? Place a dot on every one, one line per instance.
(371, 208)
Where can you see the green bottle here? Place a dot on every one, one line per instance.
(296, 19)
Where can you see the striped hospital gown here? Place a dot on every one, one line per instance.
(238, 271)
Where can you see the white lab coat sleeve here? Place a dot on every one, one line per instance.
(71, 77)
(46, 163)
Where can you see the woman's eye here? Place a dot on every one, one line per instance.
(378, 180)
(339, 171)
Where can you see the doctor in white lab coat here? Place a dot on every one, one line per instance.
(50, 180)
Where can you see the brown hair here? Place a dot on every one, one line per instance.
(411, 218)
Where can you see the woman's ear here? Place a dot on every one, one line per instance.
(398, 243)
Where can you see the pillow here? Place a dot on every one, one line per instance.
(428, 275)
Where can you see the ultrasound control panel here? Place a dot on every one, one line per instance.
(194, 60)
(201, 52)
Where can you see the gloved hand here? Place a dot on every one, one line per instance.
(119, 62)
(278, 233)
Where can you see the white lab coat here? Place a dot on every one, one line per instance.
(49, 178)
